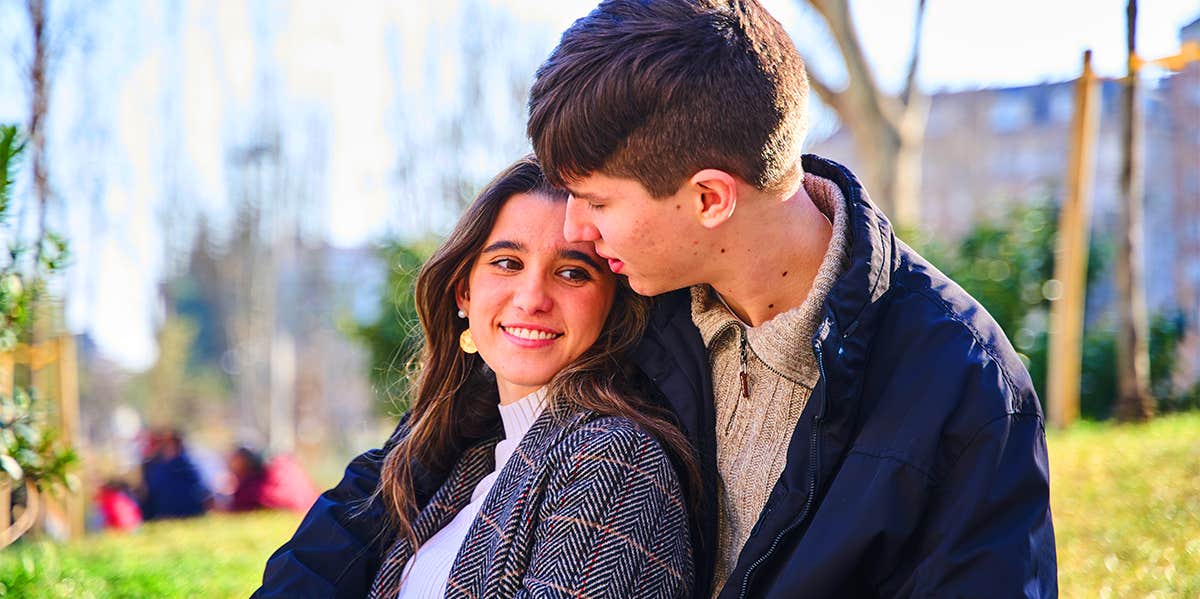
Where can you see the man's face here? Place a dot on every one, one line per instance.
(654, 242)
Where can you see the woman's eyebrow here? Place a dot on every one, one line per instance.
(503, 244)
(581, 256)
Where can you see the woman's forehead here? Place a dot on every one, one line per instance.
(534, 223)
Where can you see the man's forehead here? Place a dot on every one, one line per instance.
(601, 186)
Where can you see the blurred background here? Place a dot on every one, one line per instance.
(217, 208)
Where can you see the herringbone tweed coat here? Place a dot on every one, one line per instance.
(587, 506)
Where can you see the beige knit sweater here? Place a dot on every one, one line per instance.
(753, 432)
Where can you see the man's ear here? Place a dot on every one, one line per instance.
(717, 190)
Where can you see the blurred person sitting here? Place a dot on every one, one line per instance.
(118, 510)
(172, 485)
(276, 484)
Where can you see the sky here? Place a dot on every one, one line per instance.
(150, 96)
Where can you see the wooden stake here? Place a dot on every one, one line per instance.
(1071, 255)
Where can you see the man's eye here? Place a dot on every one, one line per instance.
(506, 264)
(575, 275)
(595, 206)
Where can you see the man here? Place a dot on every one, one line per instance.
(864, 427)
(867, 426)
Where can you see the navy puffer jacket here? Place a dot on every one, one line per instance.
(918, 467)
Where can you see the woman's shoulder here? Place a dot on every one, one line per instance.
(589, 434)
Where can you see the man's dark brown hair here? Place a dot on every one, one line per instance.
(655, 90)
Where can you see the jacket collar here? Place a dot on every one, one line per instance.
(872, 251)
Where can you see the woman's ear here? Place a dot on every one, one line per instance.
(462, 296)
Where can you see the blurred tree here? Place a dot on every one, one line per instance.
(888, 130)
(39, 83)
(1134, 401)
(394, 338)
(176, 390)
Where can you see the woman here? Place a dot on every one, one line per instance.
(527, 465)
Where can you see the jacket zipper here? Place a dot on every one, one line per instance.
(743, 369)
(812, 483)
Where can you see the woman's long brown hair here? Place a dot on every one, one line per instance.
(456, 395)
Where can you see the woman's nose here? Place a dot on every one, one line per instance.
(532, 296)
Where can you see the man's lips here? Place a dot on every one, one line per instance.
(614, 264)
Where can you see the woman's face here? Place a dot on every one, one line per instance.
(535, 302)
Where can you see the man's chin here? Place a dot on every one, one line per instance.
(650, 288)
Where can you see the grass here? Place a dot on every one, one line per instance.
(1126, 503)
(215, 556)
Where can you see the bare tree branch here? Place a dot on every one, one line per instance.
(862, 86)
(830, 97)
(910, 81)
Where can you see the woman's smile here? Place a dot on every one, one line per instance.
(528, 335)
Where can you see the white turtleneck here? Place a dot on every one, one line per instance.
(426, 573)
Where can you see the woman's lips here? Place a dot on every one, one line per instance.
(529, 336)
(615, 265)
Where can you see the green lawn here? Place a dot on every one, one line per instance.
(214, 556)
(1126, 503)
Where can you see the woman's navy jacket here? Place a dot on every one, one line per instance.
(917, 469)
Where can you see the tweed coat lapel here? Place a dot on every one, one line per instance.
(475, 463)
(496, 549)
(497, 552)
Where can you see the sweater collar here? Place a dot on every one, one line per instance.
(519, 415)
(783, 341)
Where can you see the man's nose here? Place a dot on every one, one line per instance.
(577, 226)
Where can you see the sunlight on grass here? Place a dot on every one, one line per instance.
(214, 556)
(1126, 502)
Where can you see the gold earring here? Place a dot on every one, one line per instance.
(466, 342)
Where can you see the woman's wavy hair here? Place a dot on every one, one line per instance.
(456, 396)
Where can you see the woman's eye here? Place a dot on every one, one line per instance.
(575, 275)
(595, 206)
(506, 264)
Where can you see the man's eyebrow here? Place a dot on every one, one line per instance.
(583, 195)
(503, 244)
(581, 256)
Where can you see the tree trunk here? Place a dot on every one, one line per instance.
(892, 155)
(39, 109)
(1134, 401)
(888, 131)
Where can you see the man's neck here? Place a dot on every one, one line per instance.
(771, 256)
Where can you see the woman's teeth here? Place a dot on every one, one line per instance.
(530, 334)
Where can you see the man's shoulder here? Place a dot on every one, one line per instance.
(934, 326)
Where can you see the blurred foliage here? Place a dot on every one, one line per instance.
(394, 339)
(32, 450)
(1126, 508)
(1008, 265)
(178, 389)
(219, 555)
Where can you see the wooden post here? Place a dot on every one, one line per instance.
(1070, 261)
(68, 415)
(6, 389)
